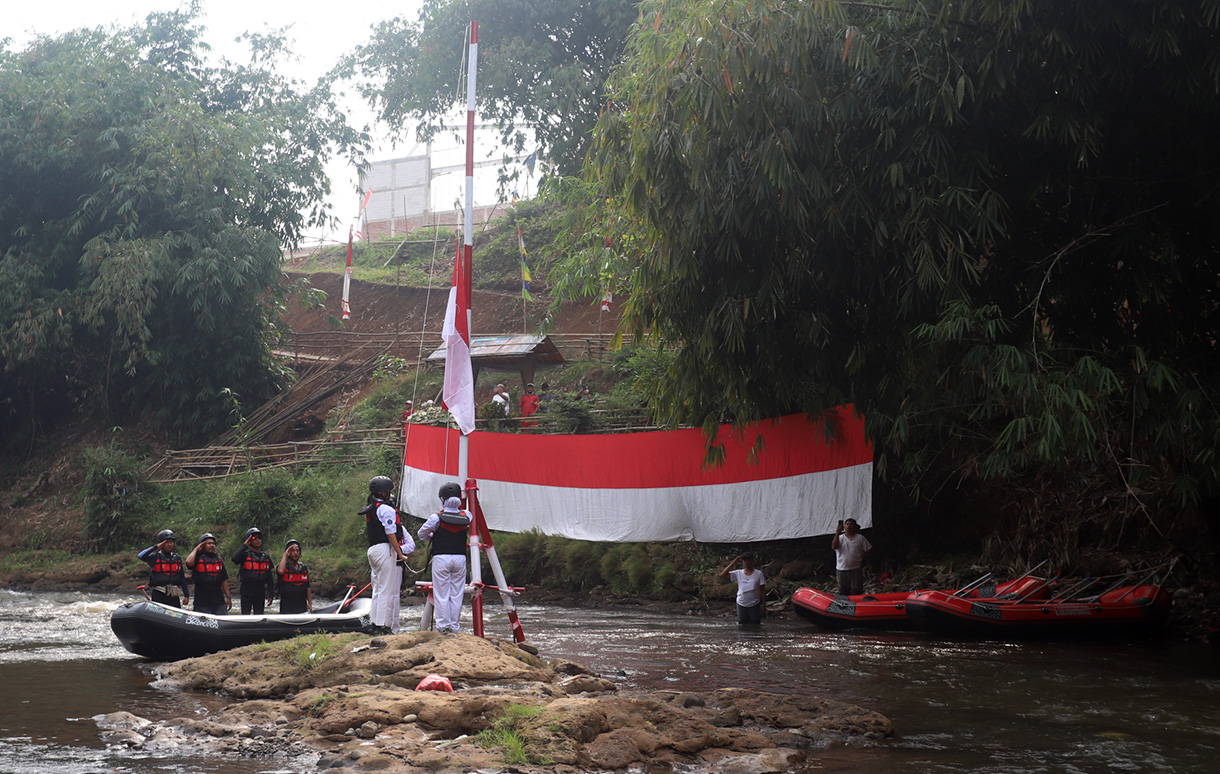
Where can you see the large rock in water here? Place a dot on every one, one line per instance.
(352, 700)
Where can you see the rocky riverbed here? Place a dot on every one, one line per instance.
(350, 702)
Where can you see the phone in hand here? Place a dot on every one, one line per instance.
(840, 524)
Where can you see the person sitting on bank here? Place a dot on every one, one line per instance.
(254, 569)
(295, 594)
(210, 576)
(751, 589)
(851, 549)
(166, 571)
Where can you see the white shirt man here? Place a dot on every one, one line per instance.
(501, 396)
(851, 548)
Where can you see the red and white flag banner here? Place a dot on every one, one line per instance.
(458, 390)
(347, 280)
(653, 486)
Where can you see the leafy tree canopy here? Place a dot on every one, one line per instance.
(542, 69)
(144, 197)
(992, 225)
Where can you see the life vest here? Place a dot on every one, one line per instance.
(209, 569)
(255, 567)
(296, 577)
(374, 530)
(450, 534)
(166, 569)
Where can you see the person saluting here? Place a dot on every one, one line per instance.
(254, 569)
(166, 573)
(295, 594)
(210, 576)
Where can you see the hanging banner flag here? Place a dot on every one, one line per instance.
(525, 270)
(781, 479)
(347, 279)
(607, 299)
(458, 392)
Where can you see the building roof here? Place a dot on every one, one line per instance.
(508, 353)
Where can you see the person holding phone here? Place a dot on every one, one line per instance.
(751, 589)
(851, 548)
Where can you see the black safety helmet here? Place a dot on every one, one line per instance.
(451, 489)
(252, 532)
(380, 485)
(165, 534)
(292, 543)
(205, 536)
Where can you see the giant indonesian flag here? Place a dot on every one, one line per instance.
(653, 486)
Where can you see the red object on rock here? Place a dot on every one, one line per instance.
(435, 683)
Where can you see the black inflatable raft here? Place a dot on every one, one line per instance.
(164, 633)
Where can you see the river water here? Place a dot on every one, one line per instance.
(956, 706)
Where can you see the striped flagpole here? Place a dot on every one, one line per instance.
(468, 226)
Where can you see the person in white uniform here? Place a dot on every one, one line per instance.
(389, 545)
(447, 531)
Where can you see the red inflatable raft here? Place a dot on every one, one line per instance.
(864, 611)
(888, 611)
(1127, 611)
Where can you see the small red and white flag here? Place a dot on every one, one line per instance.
(347, 280)
(458, 392)
(607, 299)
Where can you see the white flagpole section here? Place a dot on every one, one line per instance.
(476, 564)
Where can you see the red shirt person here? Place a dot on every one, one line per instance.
(529, 401)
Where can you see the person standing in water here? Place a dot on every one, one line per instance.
(751, 589)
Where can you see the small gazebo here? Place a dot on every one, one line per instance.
(520, 353)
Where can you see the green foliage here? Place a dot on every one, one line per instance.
(117, 503)
(572, 415)
(982, 222)
(504, 733)
(270, 500)
(307, 651)
(639, 367)
(146, 194)
(491, 416)
(542, 65)
(388, 367)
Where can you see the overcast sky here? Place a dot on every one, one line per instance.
(322, 33)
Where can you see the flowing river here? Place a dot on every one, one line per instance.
(956, 706)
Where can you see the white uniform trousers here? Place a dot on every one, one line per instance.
(448, 587)
(387, 586)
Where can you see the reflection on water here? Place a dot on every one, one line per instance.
(957, 706)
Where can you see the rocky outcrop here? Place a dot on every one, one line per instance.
(350, 702)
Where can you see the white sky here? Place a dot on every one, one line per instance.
(322, 31)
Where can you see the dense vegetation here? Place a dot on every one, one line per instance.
(146, 194)
(991, 225)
